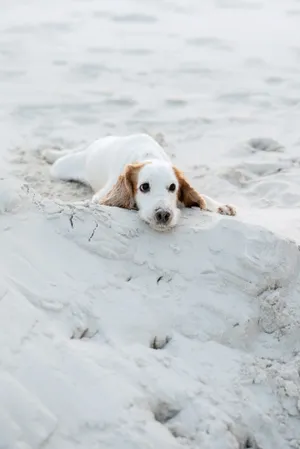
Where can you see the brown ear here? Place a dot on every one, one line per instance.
(123, 192)
(186, 194)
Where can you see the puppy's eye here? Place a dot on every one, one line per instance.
(145, 187)
(172, 187)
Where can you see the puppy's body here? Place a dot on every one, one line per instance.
(101, 163)
(117, 168)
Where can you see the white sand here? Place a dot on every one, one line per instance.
(114, 336)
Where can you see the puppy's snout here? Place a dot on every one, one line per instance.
(162, 216)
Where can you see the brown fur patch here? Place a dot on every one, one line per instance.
(188, 196)
(123, 192)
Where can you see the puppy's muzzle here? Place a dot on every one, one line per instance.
(163, 217)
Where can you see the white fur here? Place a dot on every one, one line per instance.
(101, 163)
(160, 175)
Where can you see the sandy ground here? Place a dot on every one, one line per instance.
(113, 335)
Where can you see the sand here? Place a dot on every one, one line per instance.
(113, 335)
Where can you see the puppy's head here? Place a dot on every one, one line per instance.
(155, 189)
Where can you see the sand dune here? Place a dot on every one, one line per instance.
(114, 336)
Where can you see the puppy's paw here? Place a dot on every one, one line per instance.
(227, 209)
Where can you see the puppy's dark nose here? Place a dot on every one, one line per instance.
(162, 216)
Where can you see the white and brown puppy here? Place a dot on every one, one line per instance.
(132, 172)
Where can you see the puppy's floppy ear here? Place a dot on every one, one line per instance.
(186, 194)
(123, 192)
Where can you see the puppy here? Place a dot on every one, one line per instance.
(132, 172)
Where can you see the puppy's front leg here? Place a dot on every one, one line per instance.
(215, 206)
(98, 196)
(102, 193)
